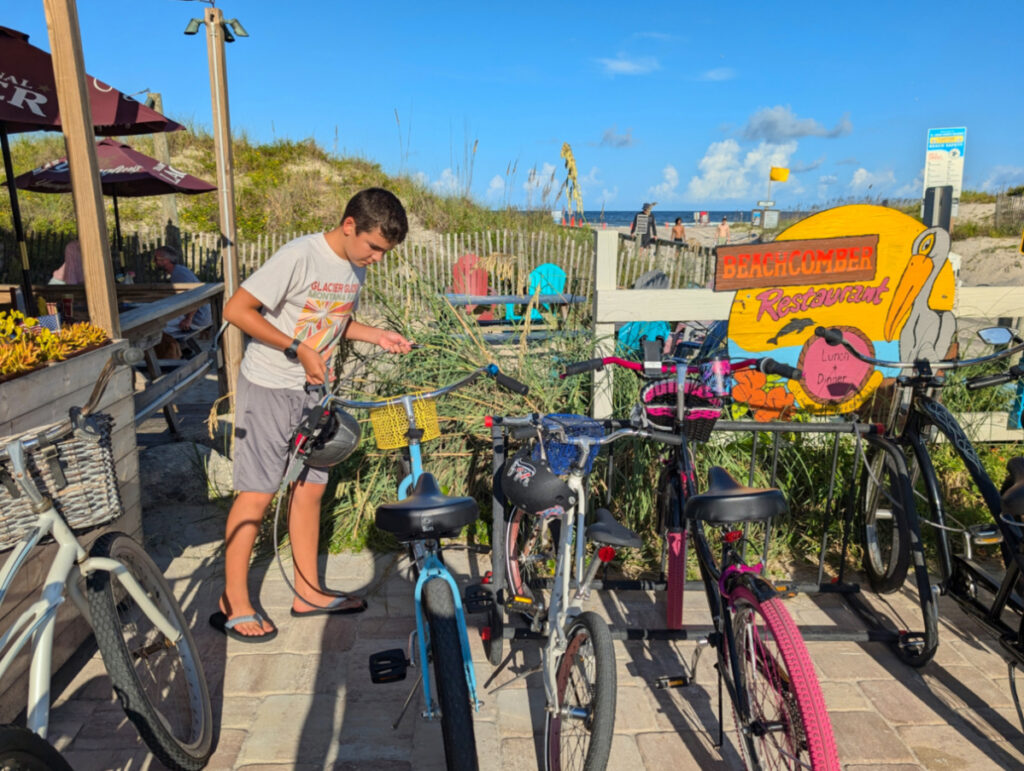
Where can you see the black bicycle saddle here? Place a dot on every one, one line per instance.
(426, 513)
(726, 501)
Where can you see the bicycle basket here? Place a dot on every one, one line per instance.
(390, 424)
(702, 408)
(77, 473)
(562, 455)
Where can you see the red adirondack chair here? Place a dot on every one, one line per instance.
(469, 278)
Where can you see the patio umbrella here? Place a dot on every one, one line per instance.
(28, 103)
(124, 172)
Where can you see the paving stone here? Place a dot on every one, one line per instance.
(633, 710)
(521, 754)
(521, 712)
(229, 744)
(110, 760)
(686, 750)
(844, 696)
(899, 703)
(864, 737)
(958, 747)
(965, 687)
(313, 722)
(845, 661)
(284, 673)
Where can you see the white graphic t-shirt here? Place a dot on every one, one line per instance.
(307, 291)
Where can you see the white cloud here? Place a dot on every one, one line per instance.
(728, 172)
(621, 65)
(912, 189)
(607, 196)
(591, 178)
(719, 73)
(667, 190)
(876, 181)
(421, 179)
(537, 180)
(779, 124)
(610, 139)
(1002, 177)
(825, 182)
(495, 188)
(446, 184)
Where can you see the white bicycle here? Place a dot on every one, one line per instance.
(57, 479)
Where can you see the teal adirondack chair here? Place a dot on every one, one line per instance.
(550, 279)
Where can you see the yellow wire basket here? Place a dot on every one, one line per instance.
(390, 424)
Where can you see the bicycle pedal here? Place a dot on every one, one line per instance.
(388, 666)
(985, 535)
(477, 599)
(672, 681)
(517, 603)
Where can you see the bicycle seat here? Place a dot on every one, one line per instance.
(726, 501)
(426, 513)
(1013, 492)
(608, 530)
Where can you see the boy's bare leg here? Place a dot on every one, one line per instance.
(240, 534)
(304, 530)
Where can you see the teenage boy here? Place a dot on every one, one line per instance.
(296, 308)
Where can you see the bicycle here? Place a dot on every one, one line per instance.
(547, 524)
(763, 662)
(61, 478)
(420, 518)
(962, 577)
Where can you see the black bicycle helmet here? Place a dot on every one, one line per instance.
(531, 485)
(335, 442)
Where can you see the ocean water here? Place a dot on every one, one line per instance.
(661, 216)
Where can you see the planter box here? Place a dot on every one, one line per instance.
(34, 399)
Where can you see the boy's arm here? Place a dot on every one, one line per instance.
(387, 339)
(243, 310)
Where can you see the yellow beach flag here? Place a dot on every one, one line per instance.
(778, 174)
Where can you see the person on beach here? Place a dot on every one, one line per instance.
(723, 231)
(679, 232)
(644, 226)
(296, 308)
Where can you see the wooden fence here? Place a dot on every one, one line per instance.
(1009, 211)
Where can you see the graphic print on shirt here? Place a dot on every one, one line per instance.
(325, 313)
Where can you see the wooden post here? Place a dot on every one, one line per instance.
(606, 246)
(232, 339)
(76, 120)
(168, 203)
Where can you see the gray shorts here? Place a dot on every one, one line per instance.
(265, 419)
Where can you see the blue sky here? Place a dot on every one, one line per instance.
(686, 104)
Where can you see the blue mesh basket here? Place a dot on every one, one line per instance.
(562, 455)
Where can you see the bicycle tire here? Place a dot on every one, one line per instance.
(588, 666)
(450, 677)
(160, 685)
(22, 750)
(883, 518)
(524, 552)
(789, 723)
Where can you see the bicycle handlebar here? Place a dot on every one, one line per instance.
(834, 337)
(525, 427)
(766, 365)
(1016, 372)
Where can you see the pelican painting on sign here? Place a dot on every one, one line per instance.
(874, 272)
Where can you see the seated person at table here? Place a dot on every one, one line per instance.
(70, 272)
(168, 259)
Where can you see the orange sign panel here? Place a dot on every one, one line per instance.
(796, 263)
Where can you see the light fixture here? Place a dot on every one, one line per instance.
(237, 28)
(228, 37)
(193, 26)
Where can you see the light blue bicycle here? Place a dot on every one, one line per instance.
(421, 517)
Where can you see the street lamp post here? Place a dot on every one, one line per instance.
(217, 33)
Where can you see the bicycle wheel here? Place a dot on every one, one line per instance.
(22, 750)
(527, 552)
(788, 725)
(578, 734)
(160, 684)
(450, 676)
(883, 517)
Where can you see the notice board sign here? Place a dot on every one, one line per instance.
(944, 160)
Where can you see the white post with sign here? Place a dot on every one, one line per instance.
(944, 161)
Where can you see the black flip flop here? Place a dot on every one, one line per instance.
(333, 608)
(226, 626)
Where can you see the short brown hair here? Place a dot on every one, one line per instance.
(376, 207)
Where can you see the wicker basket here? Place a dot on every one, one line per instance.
(77, 473)
(703, 408)
(562, 455)
(391, 424)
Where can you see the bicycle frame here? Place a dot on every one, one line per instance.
(38, 622)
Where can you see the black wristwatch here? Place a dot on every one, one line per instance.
(292, 351)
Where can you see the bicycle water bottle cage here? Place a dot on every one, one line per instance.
(726, 501)
(426, 513)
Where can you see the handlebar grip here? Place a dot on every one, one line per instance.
(511, 384)
(771, 367)
(987, 381)
(832, 336)
(666, 437)
(583, 366)
(522, 432)
(320, 389)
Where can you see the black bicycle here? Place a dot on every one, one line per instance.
(980, 593)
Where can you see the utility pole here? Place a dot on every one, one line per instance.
(216, 35)
(76, 122)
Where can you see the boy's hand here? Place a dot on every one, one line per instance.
(313, 363)
(393, 342)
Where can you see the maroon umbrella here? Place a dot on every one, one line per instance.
(28, 102)
(124, 172)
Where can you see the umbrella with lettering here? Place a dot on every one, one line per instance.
(28, 102)
(124, 172)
